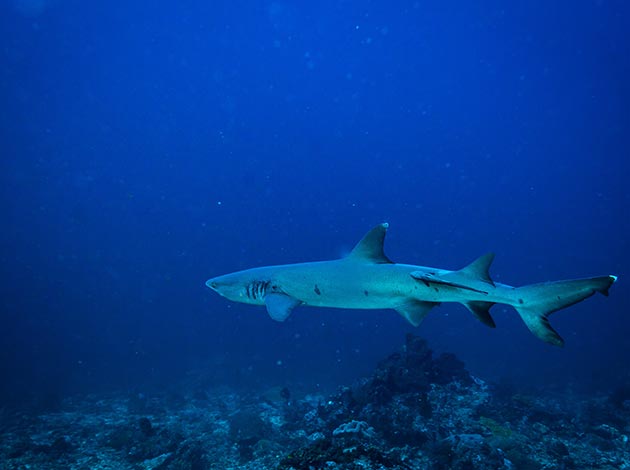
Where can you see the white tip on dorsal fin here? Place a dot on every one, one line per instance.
(479, 269)
(370, 248)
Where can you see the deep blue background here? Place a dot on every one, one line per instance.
(147, 146)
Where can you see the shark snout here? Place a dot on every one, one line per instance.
(228, 286)
(220, 284)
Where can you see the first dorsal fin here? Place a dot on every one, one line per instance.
(479, 269)
(370, 248)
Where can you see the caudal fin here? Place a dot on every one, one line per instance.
(536, 302)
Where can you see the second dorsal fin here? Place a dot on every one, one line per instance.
(479, 269)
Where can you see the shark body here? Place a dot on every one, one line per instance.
(367, 279)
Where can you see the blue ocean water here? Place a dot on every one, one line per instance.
(148, 146)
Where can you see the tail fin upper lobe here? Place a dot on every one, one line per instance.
(536, 302)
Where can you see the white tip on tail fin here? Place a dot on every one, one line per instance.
(536, 302)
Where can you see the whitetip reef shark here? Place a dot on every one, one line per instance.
(367, 279)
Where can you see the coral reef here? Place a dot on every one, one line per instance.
(414, 411)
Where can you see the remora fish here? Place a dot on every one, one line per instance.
(367, 279)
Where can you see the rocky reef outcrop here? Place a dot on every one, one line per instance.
(414, 411)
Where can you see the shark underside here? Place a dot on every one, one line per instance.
(367, 279)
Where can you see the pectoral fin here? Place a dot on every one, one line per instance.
(280, 306)
(415, 310)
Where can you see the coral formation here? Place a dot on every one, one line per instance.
(414, 411)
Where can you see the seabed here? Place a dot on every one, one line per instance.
(415, 411)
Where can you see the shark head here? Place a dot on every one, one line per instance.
(243, 286)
